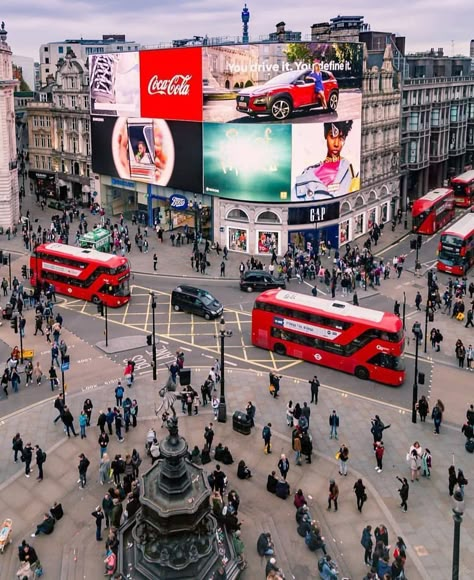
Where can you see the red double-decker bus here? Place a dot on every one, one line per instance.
(82, 273)
(360, 341)
(433, 211)
(456, 247)
(463, 187)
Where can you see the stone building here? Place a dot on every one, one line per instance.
(9, 190)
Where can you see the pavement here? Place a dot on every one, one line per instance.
(74, 553)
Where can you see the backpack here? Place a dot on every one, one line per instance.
(121, 466)
(265, 432)
(44, 456)
(321, 562)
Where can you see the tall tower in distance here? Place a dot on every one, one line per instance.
(245, 21)
(9, 193)
(471, 54)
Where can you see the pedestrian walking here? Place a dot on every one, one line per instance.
(267, 438)
(222, 269)
(403, 491)
(55, 354)
(423, 408)
(343, 457)
(38, 373)
(82, 424)
(333, 494)
(82, 468)
(437, 415)
(104, 469)
(215, 406)
(26, 457)
(314, 382)
(17, 446)
(367, 544)
(88, 406)
(28, 373)
(426, 463)
(379, 451)
(418, 300)
(134, 412)
(297, 447)
(250, 410)
(53, 378)
(59, 406)
(118, 425)
(333, 424)
(103, 443)
(155, 262)
(40, 459)
(119, 390)
(68, 421)
(110, 419)
(469, 357)
(289, 414)
(361, 495)
(98, 514)
(284, 466)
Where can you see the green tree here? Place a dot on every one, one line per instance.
(249, 83)
(299, 51)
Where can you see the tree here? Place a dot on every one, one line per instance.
(300, 52)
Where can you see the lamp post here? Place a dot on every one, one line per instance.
(223, 334)
(416, 332)
(404, 309)
(153, 308)
(458, 511)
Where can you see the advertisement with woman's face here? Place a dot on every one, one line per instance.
(166, 153)
(325, 160)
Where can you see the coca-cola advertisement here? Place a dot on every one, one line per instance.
(171, 84)
(114, 79)
(166, 153)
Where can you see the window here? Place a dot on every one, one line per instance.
(46, 70)
(413, 122)
(268, 217)
(73, 101)
(238, 215)
(85, 125)
(435, 115)
(412, 154)
(61, 49)
(46, 61)
(74, 124)
(86, 102)
(454, 114)
(46, 49)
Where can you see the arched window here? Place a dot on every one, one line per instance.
(268, 217)
(384, 191)
(372, 196)
(237, 215)
(345, 208)
(359, 202)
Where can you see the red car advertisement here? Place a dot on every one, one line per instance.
(171, 84)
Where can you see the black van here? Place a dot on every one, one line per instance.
(196, 301)
(259, 280)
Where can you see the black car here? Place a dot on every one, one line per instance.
(259, 280)
(196, 301)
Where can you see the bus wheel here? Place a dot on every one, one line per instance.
(279, 349)
(95, 299)
(362, 373)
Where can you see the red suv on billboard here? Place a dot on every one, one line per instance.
(282, 95)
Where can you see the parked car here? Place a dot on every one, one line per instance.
(282, 95)
(259, 280)
(196, 301)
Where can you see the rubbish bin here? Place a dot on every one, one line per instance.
(185, 377)
(241, 423)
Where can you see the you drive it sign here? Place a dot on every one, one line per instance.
(171, 84)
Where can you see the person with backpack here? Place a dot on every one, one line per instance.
(367, 544)
(267, 437)
(82, 468)
(17, 446)
(119, 390)
(437, 416)
(40, 459)
(327, 568)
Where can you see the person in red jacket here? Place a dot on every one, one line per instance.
(379, 451)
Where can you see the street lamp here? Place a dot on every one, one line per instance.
(153, 308)
(416, 332)
(223, 334)
(458, 511)
(404, 309)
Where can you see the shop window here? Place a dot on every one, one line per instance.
(359, 224)
(268, 217)
(384, 213)
(371, 215)
(237, 239)
(343, 232)
(238, 215)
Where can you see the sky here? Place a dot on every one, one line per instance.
(425, 23)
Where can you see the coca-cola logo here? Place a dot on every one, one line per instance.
(177, 85)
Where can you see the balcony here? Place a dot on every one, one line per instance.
(436, 81)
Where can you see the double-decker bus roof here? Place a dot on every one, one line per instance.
(430, 199)
(342, 310)
(466, 176)
(80, 253)
(461, 228)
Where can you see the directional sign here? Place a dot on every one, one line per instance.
(65, 366)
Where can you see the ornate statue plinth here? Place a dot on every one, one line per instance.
(174, 534)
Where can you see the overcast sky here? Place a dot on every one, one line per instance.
(425, 23)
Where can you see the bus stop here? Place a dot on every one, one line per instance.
(97, 239)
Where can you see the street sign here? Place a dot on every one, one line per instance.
(65, 366)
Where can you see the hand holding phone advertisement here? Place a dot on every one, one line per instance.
(143, 149)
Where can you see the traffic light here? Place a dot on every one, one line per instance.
(413, 244)
(421, 378)
(24, 271)
(14, 324)
(419, 240)
(100, 308)
(430, 278)
(149, 340)
(66, 359)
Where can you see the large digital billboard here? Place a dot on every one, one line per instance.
(247, 162)
(167, 153)
(268, 122)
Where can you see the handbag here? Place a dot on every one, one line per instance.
(338, 455)
(271, 388)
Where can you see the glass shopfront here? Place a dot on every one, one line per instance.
(237, 239)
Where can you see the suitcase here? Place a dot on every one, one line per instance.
(469, 445)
